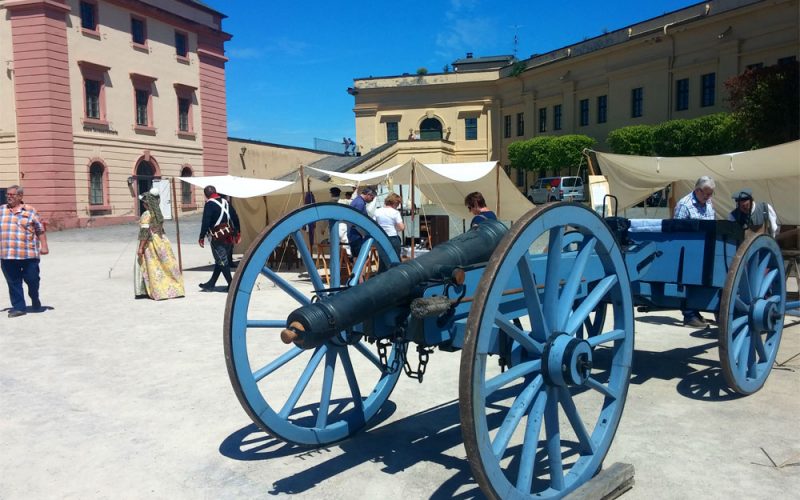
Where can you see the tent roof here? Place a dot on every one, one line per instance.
(239, 187)
(772, 173)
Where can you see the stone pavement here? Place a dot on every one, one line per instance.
(104, 396)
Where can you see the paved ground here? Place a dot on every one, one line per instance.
(104, 396)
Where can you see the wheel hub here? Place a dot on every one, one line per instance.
(764, 315)
(566, 361)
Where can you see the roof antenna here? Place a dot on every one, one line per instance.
(516, 38)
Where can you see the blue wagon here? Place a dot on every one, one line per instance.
(542, 314)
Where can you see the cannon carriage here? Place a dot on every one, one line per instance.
(542, 314)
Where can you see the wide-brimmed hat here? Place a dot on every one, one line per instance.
(744, 194)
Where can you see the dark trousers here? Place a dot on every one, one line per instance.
(221, 252)
(16, 271)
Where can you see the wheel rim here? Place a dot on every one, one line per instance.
(567, 393)
(341, 385)
(752, 307)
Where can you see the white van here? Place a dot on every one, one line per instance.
(557, 189)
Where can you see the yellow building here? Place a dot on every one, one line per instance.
(103, 96)
(669, 67)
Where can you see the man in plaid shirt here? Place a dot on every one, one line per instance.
(22, 240)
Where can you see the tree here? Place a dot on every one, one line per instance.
(707, 135)
(632, 140)
(545, 152)
(422, 71)
(766, 103)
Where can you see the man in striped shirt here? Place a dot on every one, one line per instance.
(22, 241)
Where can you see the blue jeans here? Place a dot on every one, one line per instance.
(16, 271)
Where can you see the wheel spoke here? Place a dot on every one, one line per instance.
(744, 286)
(570, 290)
(520, 336)
(740, 305)
(586, 445)
(361, 260)
(539, 328)
(553, 441)
(553, 276)
(364, 350)
(599, 387)
(308, 260)
(514, 415)
(302, 382)
(590, 303)
(739, 341)
(606, 337)
(277, 363)
(285, 286)
(766, 284)
(759, 346)
(327, 385)
(352, 381)
(515, 372)
(335, 263)
(761, 272)
(531, 445)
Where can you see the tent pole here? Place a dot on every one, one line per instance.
(413, 183)
(302, 186)
(497, 190)
(402, 242)
(177, 224)
(592, 170)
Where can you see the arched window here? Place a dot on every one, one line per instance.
(96, 184)
(144, 180)
(430, 130)
(187, 190)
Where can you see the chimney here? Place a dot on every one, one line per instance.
(469, 55)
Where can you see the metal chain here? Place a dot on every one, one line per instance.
(423, 353)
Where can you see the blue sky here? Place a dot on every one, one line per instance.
(291, 62)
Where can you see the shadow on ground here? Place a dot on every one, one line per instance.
(423, 437)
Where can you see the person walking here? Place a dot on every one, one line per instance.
(22, 242)
(696, 205)
(220, 224)
(156, 271)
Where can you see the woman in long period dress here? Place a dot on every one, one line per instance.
(156, 271)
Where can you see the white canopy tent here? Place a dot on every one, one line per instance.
(772, 173)
(260, 202)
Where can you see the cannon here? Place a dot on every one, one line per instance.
(542, 314)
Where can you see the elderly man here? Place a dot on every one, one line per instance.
(696, 205)
(22, 241)
(752, 216)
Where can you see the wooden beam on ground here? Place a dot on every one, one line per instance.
(607, 484)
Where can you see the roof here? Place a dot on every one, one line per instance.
(485, 59)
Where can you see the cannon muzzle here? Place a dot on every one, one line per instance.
(313, 324)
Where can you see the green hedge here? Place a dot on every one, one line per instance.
(545, 152)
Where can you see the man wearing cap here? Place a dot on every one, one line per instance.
(752, 216)
(360, 203)
(336, 194)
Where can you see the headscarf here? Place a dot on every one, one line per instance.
(153, 200)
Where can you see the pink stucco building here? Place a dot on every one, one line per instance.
(101, 96)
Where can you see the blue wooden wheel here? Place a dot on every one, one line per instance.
(752, 307)
(543, 427)
(333, 390)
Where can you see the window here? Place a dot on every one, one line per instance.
(92, 89)
(392, 131)
(602, 108)
(88, 16)
(181, 44)
(787, 60)
(520, 177)
(637, 96)
(142, 107)
(682, 94)
(430, 130)
(507, 126)
(520, 124)
(708, 88)
(187, 191)
(542, 119)
(138, 31)
(184, 106)
(557, 117)
(96, 184)
(471, 129)
(584, 107)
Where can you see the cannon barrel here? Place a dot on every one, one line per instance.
(313, 324)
